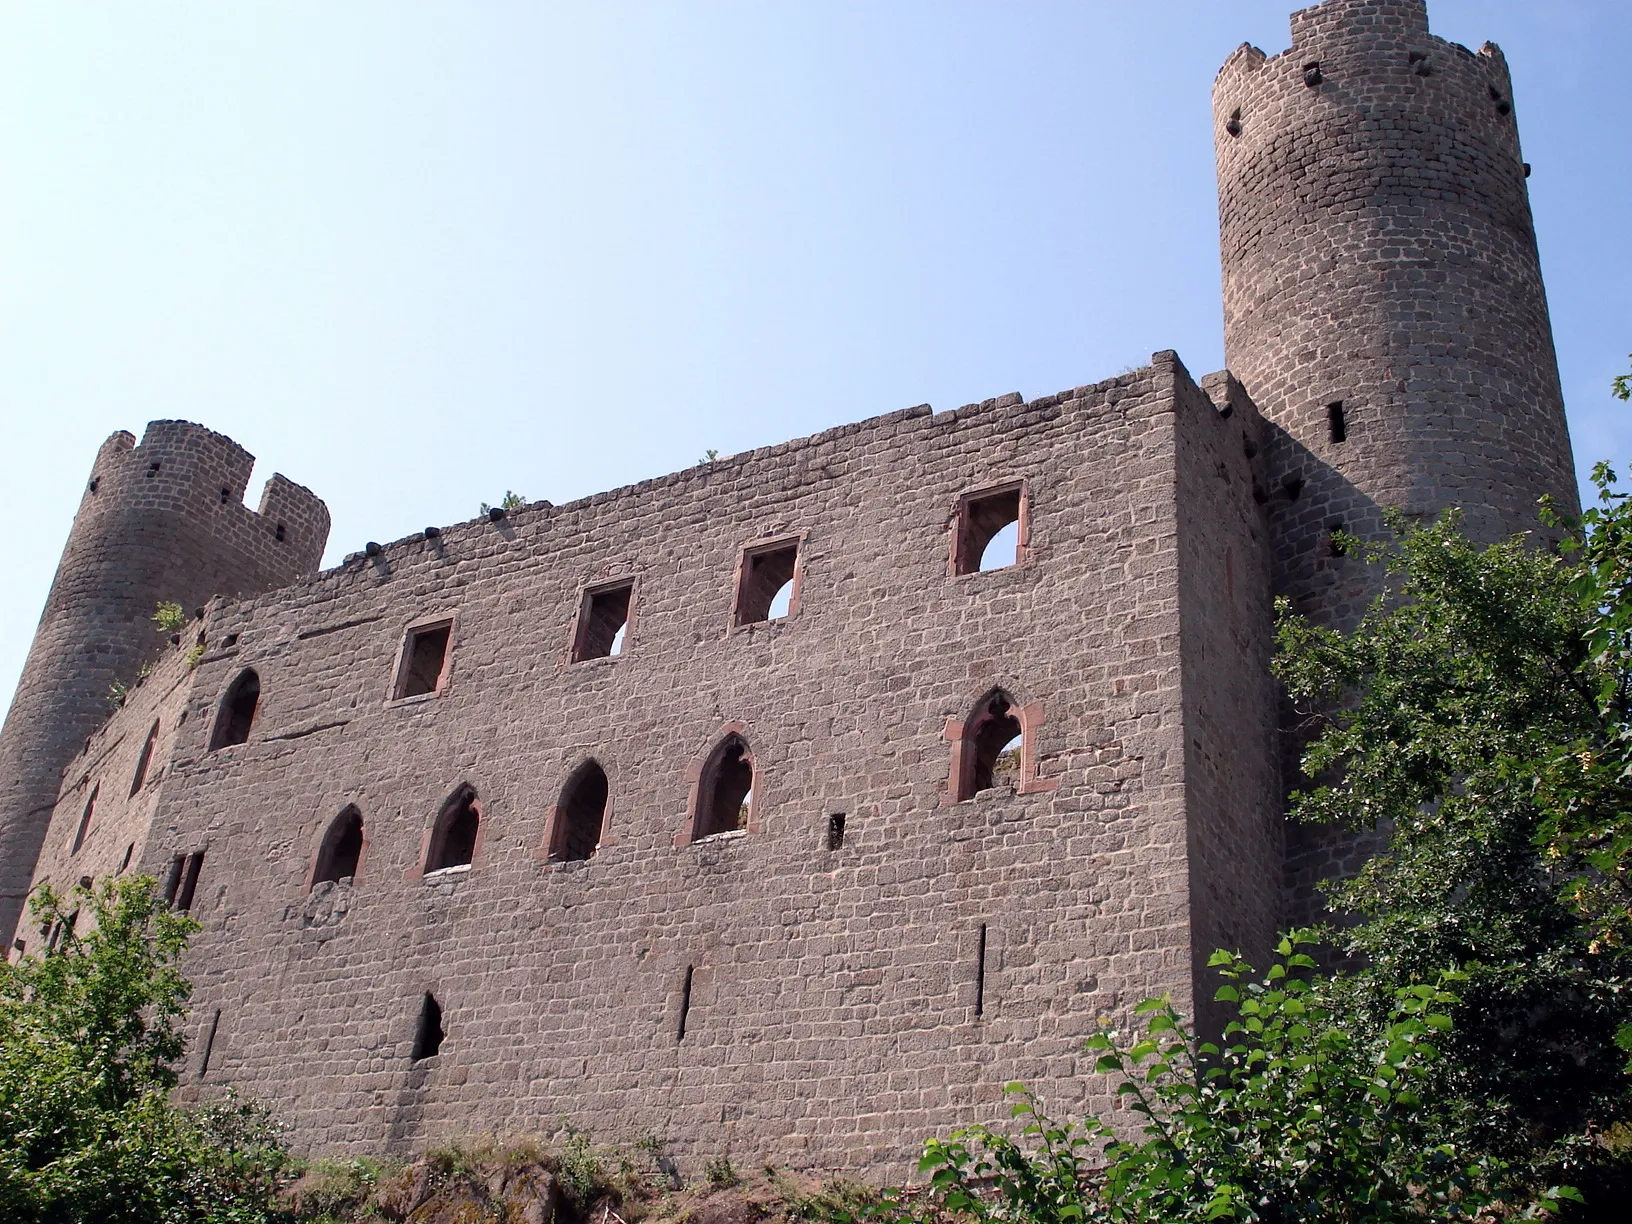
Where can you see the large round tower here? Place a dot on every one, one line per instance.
(161, 521)
(1383, 302)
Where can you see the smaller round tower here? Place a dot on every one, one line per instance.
(164, 520)
(1383, 301)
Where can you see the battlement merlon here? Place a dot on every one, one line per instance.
(186, 468)
(1341, 26)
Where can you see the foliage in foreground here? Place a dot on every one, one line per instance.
(1293, 1118)
(89, 1038)
(1482, 719)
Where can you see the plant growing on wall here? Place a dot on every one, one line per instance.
(169, 618)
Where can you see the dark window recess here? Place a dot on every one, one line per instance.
(835, 831)
(601, 623)
(85, 820)
(238, 707)
(581, 815)
(1232, 125)
(153, 467)
(209, 1044)
(1337, 427)
(988, 531)
(226, 495)
(980, 974)
(1311, 74)
(1334, 537)
(727, 789)
(1292, 486)
(189, 880)
(685, 1007)
(278, 533)
(992, 746)
(125, 862)
(146, 759)
(424, 656)
(96, 482)
(172, 880)
(20, 946)
(453, 841)
(765, 588)
(428, 1033)
(342, 847)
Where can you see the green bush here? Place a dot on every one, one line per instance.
(1294, 1119)
(89, 1038)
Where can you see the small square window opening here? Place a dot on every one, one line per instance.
(603, 622)
(766, 585)
(424, 660)
(989, 531)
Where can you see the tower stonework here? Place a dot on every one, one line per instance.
(1383, 306)
(164, 520)
(1383, 302)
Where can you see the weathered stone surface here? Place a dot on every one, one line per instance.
(854, 956)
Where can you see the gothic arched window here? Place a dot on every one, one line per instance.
(238, 707)
(342, 847)
(725, 791)
(581, 814)
(453, 839)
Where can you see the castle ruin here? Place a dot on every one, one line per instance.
(745, 804)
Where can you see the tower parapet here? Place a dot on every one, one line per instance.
(163, 520)
(1383, 300)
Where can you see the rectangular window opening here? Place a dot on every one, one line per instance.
(1337, 428)
(209, 1044)
(1334, 537)
(424, 658)
(765, 584)
(980, 974)
(988, 531)
(685, 1007)
(835, 831)
(189, 881)
(603, 621)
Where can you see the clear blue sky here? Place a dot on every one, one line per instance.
(413, 255)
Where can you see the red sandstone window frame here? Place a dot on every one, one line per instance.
(411, 632)
(959, 563)
(1030, 716)
(578, 639)
(745, 557)
(695, 778)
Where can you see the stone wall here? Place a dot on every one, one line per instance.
(840, 1004)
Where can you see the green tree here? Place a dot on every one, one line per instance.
(89, 1039)
(1296, 1117)
(1477, 716)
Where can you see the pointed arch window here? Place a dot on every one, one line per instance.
(580, 817)
(993, 741)
(342, 850)
(995, 746)
(238, 710)
(725, 791)
(455, 835)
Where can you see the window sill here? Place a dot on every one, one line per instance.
(416, 699)
(720, 839)
(446, 873)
